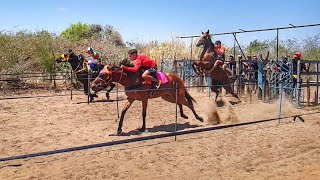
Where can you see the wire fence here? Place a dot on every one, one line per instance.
(174, 134)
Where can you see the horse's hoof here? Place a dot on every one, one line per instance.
(91, 98)
(200, 119)
(142, 130)
(108, 96)
(119, 132)
(184, 116)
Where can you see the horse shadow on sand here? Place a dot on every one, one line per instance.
(162, 128)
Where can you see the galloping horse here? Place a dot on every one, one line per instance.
(81, 71)
(133, 81)
(209, 65)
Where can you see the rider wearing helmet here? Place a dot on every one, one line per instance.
(93, 59)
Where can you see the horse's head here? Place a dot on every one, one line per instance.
(63, 58)
(75, 60)
(106, 76)
(205, 39)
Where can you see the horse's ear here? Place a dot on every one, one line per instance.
(208, 31)
(202, 32)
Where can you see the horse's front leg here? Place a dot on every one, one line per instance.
(112, 85)
(195, 69)
(123, 112)
(144, 114)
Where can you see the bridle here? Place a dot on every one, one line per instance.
(110, 79)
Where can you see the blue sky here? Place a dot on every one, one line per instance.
(145, 20)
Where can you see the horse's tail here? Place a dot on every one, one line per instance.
(182, 88)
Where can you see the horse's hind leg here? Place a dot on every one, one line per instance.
(216, 90)
(229, 90)
(181, 112)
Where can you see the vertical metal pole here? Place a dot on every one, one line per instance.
(176, 119)
(280, 109)
(298, 83)
(71, 79)
(191, 47)
(89, 93)
(234, 58)
(240, 76)
(234, 46)
(54, 77)
(317, 83)
(277, 44)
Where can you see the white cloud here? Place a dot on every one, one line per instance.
(63, 9)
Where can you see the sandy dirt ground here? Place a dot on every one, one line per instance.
(267, 150)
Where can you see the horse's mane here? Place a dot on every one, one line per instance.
(126, 62)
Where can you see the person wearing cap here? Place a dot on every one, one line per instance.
(294, 62)
(219, 49)
(147, 64)
(93, 59)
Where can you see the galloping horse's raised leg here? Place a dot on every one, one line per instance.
(171, 99)
(181, 112)
(215, 88)
(217, 94)
(123, 112)
(144, 114)
(196, 69)
(112, 85)
(229, 90)
(187, 101)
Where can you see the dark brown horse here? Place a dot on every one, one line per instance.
(136, 90)
(208, 64)
(81, 71)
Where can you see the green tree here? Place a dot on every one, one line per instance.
(77, 31)
(256, 47)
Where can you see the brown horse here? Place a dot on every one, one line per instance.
(136, 90)
(208, 64)
(80, 70)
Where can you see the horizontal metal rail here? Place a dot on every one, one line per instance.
(255, 30)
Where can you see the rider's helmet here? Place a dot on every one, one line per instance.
(297, 55)
(89, 50)
(217, 42)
